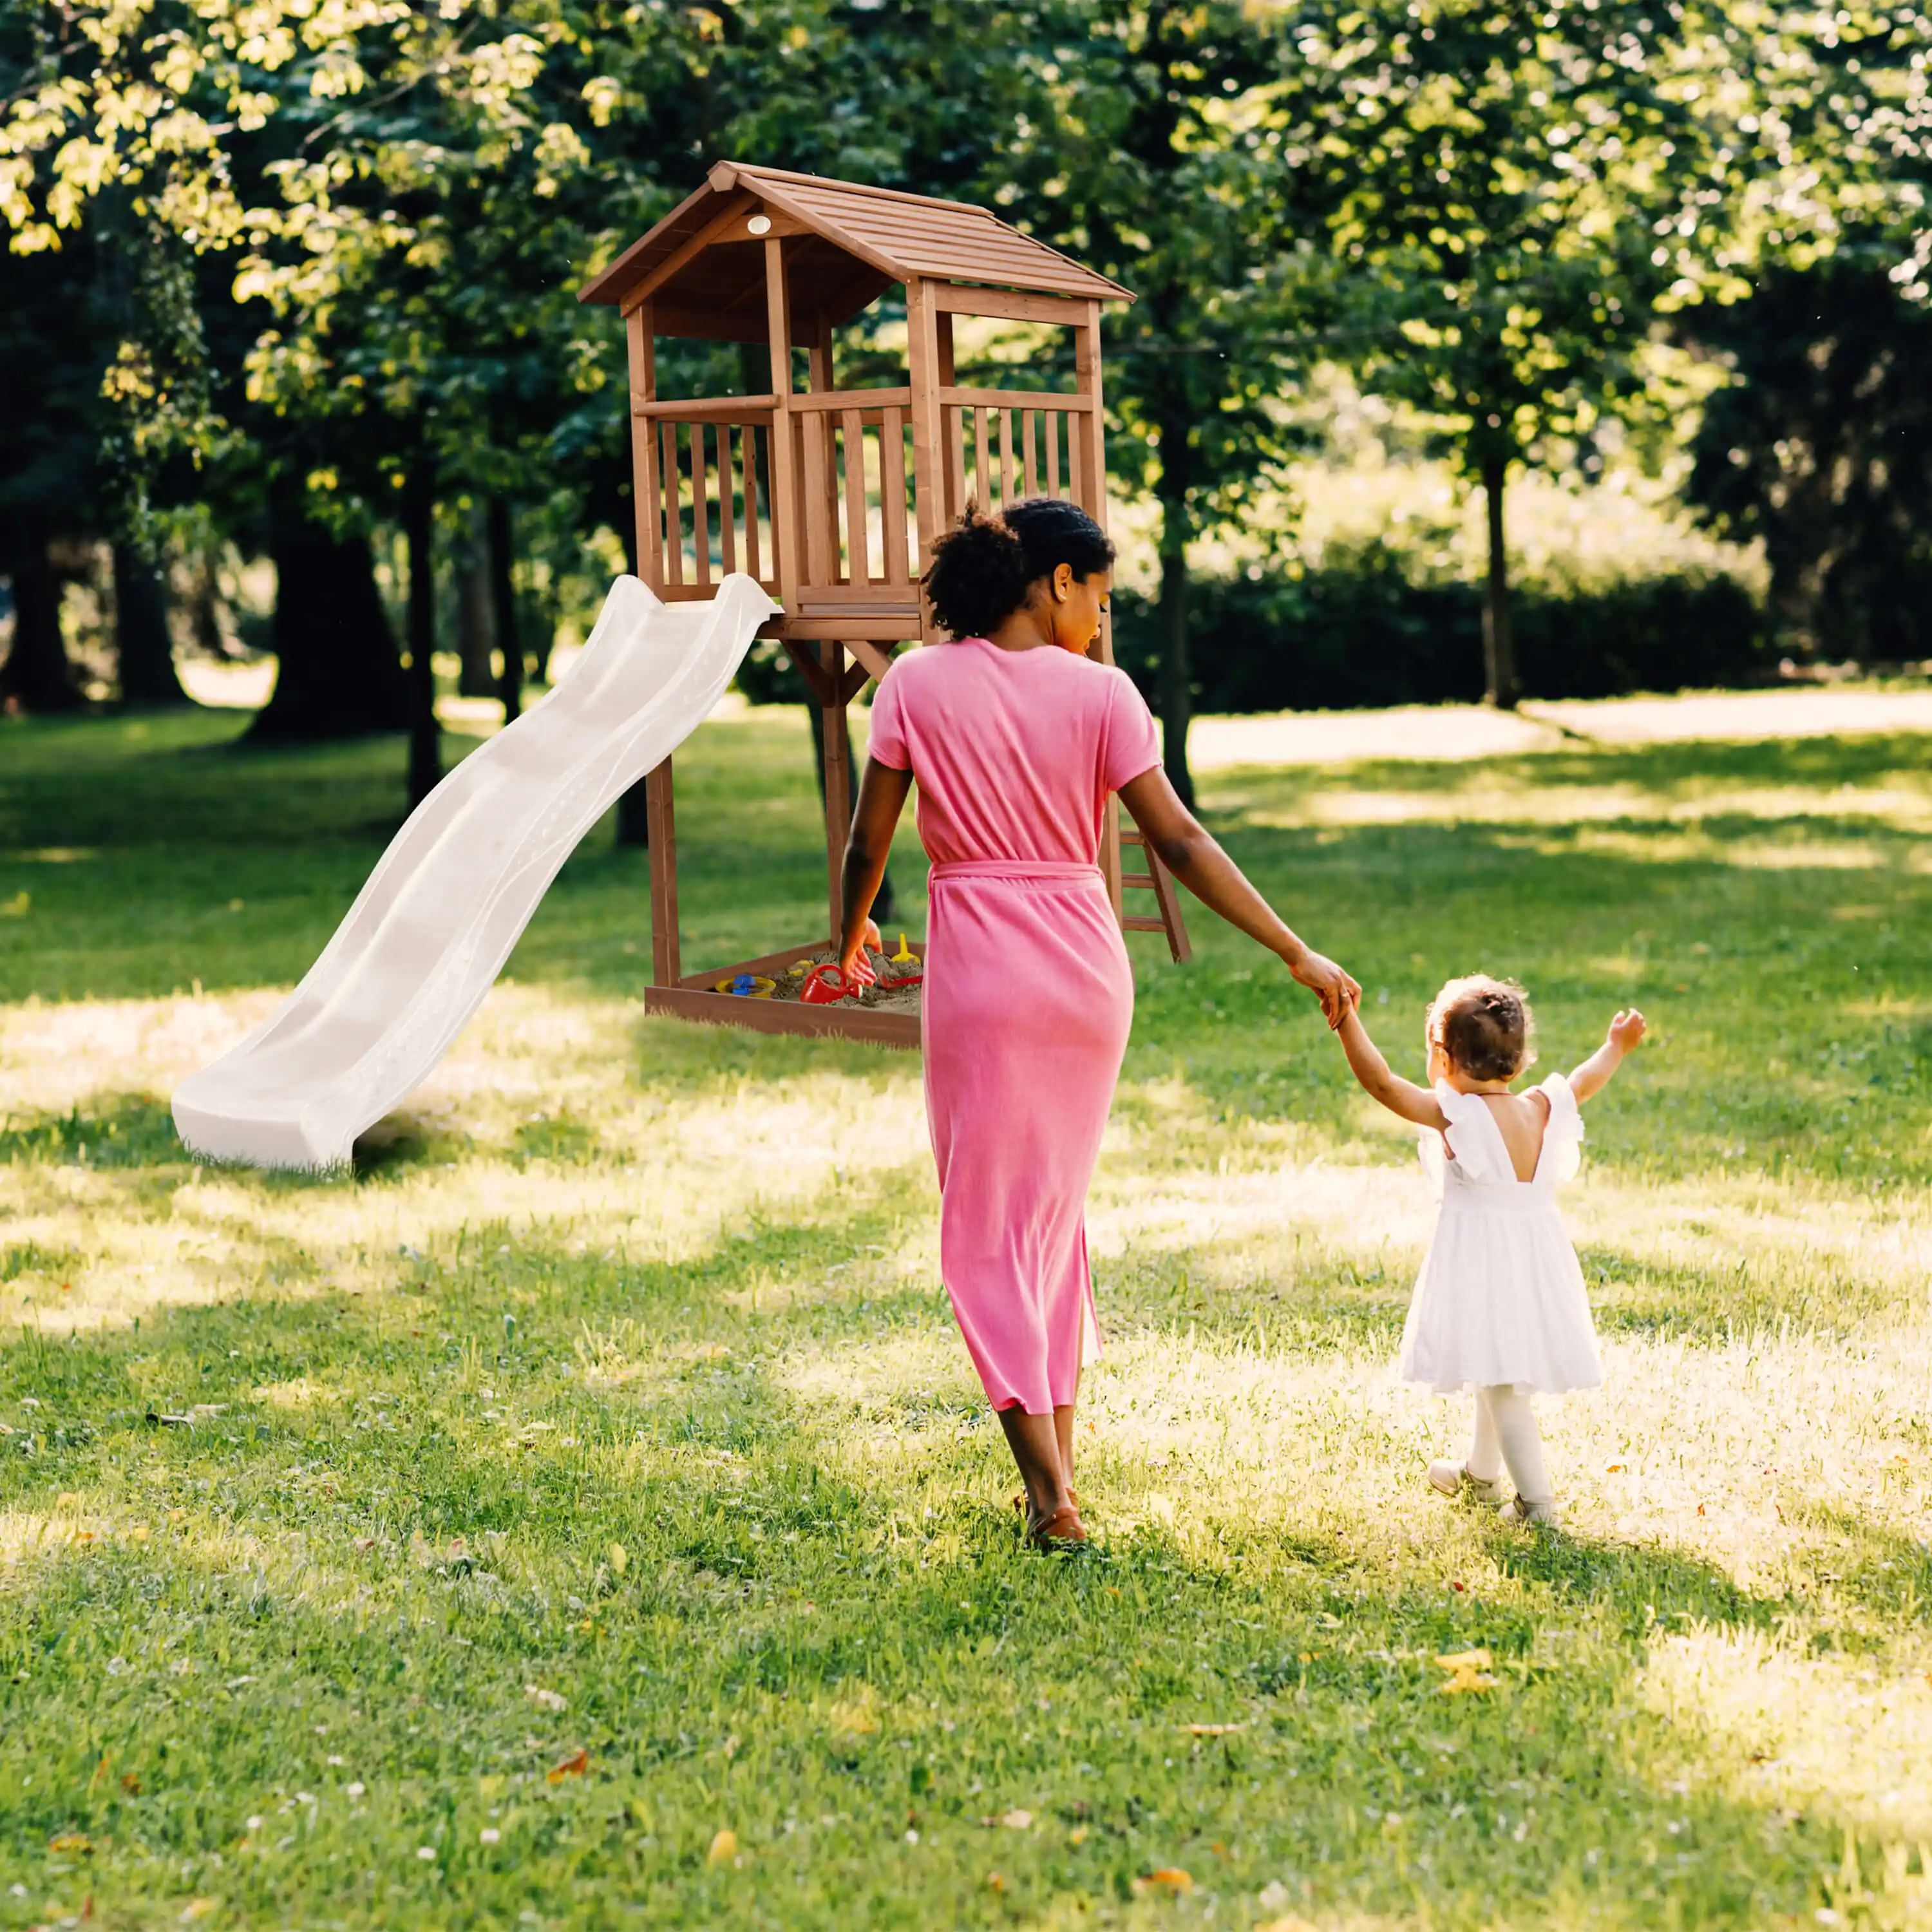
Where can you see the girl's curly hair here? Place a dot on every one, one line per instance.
(985, 567)
(1484, 1026)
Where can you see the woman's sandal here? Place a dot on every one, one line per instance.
(1020, 1501)
(1062, 1529)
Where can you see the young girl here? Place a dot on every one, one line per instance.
(1500, 1305)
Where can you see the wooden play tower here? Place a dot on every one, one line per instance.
(831, 498)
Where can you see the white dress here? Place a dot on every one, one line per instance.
(1501, 1297)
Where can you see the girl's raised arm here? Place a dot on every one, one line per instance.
(1400, 1097)
(1594, 1076)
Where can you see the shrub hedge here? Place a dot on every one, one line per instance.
(1360, 633)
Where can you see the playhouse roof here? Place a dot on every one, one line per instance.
(852, 242)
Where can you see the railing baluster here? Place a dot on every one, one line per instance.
(728, 500)
(752, 499)
(1029, 423)
(858, 555)
(1006, 496)
(700, 504)
(673, 515)
(956, 451)
(982, 462)
(1050, 422)
(892, 494)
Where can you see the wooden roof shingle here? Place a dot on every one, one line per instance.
(894, 236)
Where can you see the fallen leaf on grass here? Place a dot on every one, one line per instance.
(995, 1882)
(130, 1784)
(197, 1908)
(724, 1849)
(1215, 1730)
(575, 1765)
(1468, 1670)
(1169, 1878)
(1292, 1923)
(71, 1841)
(1017, 1821)
(619, 1557)
(551, 1700)
(1078, 1836)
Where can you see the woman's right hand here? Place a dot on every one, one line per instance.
(1337, 990)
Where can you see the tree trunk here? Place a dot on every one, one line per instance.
(37, 675)
(1177, 669)
(425, 743)
(476, 629)
(338, 674)
(141, 642)
(503, 605)
(1499, 638)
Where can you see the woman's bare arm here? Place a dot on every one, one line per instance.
(1190, 852)
(1399, 1095)
(882, 797)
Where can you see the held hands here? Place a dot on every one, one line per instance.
(1337, 990)
(857, 969)
(1626, 1030)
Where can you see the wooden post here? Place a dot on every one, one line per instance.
(666, 960)
(647, 486)
(929, 448)
(785, 527)
(838, 782)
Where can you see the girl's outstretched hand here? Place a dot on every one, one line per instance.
(1337, 990)
(857, 969)
(1626, 1030)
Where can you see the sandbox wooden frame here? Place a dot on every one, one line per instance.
(760, 255)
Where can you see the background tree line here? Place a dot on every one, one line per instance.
(295, 279)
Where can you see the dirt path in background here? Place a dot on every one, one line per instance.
(1470, 731)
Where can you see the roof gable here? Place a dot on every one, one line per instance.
(865, 238)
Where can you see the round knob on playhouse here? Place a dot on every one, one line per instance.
(760, 224)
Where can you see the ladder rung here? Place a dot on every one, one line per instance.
(1144, 880)
(1144, 925)
(1133, 838)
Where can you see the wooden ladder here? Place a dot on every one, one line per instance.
(1159, 881)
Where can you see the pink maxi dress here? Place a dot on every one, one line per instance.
(1028, 993)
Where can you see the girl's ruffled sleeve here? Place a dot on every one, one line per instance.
(1475, 1144)
(1563, 1138)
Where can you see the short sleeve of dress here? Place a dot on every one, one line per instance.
(887, 741)
(1563, 1137)
(1133, 745)
(1475, 1143)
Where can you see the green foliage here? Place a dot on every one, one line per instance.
(1360, 631)
(1821, 448)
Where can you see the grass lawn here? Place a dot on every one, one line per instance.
(585, 1515)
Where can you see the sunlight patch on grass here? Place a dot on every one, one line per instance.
(1849, 1735)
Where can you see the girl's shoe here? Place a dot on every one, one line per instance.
(1452, 1479)
(1059, 1530)
(1544, 1515)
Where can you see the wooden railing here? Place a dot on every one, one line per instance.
(1003, 444)
(855, 472)
(707, 470)
(707, 477)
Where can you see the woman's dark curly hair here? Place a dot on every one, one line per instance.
(984, 569)
(1484, 1026)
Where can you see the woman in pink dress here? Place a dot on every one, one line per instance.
(1016, 737)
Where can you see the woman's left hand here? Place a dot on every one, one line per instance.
(1337, 990)
(857, 969)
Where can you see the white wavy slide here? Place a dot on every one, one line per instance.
(430, 931)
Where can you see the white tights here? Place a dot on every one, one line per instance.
(1506, 1434)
